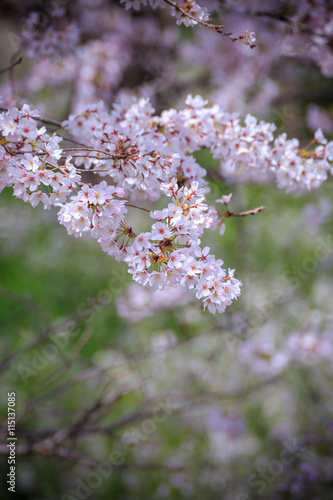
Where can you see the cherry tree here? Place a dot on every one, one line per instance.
(139, 125)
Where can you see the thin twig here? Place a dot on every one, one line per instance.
(219, 28)
(140, 208)
(252, 211)
(11, 75)
(12, 65)
(276, 15)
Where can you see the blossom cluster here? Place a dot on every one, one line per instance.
(94, 209)
(173, 246)
(248, 151)
(127, 145)
(195, 11)
(145, 155)
(29, 160)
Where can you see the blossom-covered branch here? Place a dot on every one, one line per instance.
(146, 156)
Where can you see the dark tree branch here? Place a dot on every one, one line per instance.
(12, 65)
(219, 28)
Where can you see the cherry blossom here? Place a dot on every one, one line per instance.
(193, 9)
(29, 160)
(144, 156)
